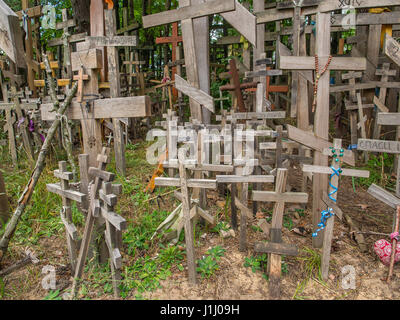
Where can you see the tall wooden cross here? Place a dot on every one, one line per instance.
(335, 171)
(174, 40)
(67, 195)
(318, 144)
(275, 248)
(112, 41)
(321, 119)
(32, 65)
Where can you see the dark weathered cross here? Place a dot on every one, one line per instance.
(275, 248)
(67, 195)
(115, 224)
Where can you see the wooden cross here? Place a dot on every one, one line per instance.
(321, 119)
(188, 212)
(236, 86)
(33, 67)
(284, 10)
(275, 248)
(385, 72)
(318, 144)
(22, 125)
(94, 211)
(10, 108)
(80, 78)
(335, 171)
(174, 40)
(67, 195)
(242, 205)
(112, 42)
(115, 224)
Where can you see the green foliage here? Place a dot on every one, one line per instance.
(53, 295)
(256, 263)
(381, 169)
(209, 263)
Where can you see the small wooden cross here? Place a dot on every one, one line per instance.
(236, 86)
(188, 212)
(174, 40)
(245, 212)
(338, 154)
(115, 224)
(22, 125)
(385, 73)
(80, 78)
(352, 76)
(275, 248)
(67, 195)
(94, 212)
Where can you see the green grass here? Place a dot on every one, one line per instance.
(381, 169)
(311, 265)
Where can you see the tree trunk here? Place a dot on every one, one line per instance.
(81, 10)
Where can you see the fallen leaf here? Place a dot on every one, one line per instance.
(260, 215)
(363, 206)
(221, 204)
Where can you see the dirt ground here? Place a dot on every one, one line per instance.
(235, 281)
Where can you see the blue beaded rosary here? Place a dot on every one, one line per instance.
(326, 214)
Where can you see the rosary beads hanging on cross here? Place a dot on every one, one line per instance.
(326, 214)
(317, 77)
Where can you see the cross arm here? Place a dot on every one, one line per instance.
(384, 196)
(188, 12)
(312, 141)
(69, 194)
(191, 183)
(389, 119)
(128, 107)
(272, 196)
(245, 179)
(328, 170)
(307, 63)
